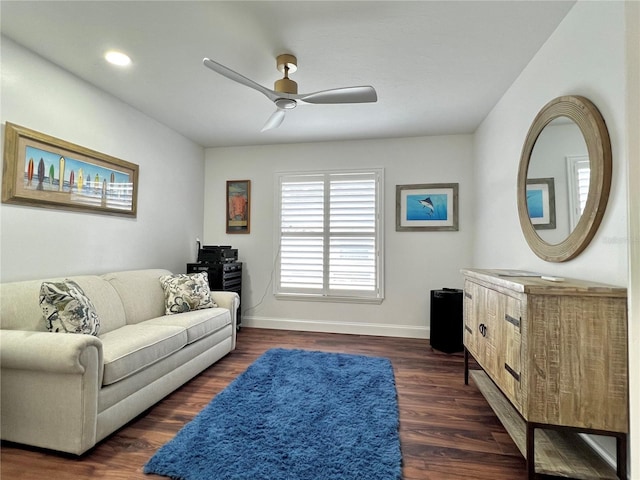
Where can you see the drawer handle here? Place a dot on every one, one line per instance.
(513, 373)
(468, 295)
(515, 321)
(468, 329)
(483, 329)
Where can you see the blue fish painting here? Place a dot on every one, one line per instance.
(534, 204)
(427, 207)
(427, 203)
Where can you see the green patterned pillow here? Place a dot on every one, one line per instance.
(67, 309)
(186, 292)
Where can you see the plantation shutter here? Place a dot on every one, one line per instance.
(330, 235)
(579, 176)
(584, 176)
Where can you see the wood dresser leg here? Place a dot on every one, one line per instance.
(466, 366)
(621, 455)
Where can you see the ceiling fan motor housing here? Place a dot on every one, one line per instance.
(286, 85)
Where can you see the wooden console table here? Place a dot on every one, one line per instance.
(554, 360)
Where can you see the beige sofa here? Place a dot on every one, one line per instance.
(66, 392)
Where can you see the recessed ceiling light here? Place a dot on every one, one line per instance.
(117, 58)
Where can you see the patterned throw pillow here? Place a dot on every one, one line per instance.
(186, 292)
(67, 309)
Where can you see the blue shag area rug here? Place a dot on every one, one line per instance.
(293, 415)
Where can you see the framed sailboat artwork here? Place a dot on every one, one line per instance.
(44, 171)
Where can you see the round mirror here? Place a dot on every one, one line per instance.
(564, 178)
(558, 180)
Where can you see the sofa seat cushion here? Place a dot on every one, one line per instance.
(198, 323)
(132, 348)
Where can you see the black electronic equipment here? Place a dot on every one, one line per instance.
(446, 320)
(217, 254)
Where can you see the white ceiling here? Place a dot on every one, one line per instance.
(438, 66)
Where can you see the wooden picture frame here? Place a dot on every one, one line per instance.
(43, 171)
(541, 203)
(427, 207)
(238, 206)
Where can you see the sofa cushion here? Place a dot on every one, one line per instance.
(106, 300)
(134, 347)
(198, 323)
(67, 309)
(186, 292)
(141, 293)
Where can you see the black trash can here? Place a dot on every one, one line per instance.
(446, 320)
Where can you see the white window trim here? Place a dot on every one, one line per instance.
(573, 163)
(353, 297)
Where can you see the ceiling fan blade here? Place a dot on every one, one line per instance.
(236, 77)
(364, 94)
(274, 120)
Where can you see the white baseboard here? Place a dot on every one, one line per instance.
(331, 326)
(608, 453)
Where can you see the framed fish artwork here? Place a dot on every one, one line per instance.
(44, 171)
(427, 207)
(541, 203)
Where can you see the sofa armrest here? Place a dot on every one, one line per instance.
(230, 301)
(45, 351)
(49, 386)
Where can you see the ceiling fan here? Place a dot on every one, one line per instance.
(285, 93)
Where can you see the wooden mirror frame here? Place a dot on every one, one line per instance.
(593, 128)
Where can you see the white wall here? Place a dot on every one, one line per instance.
(633, 150)
(415, 262)
(584, 56)
(37, 242)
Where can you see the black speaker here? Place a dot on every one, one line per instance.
(446, 320)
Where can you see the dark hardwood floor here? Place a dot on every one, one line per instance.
(447, 429)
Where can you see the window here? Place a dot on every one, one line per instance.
(579, 173)
(329, 228)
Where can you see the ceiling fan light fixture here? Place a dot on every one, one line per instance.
(285, 103)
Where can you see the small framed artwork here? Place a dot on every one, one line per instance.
(238, 206)
(427, 207)
(44, 171)
(541, 203)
